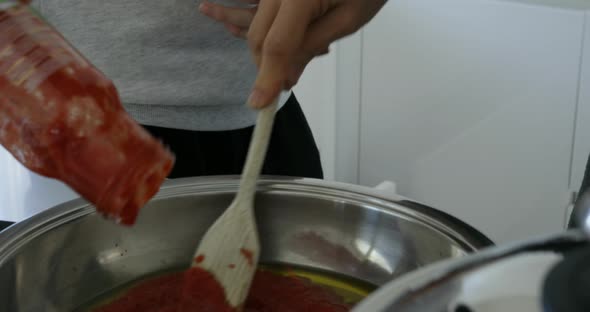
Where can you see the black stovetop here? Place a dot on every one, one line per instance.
(567, 284)
(4, 224)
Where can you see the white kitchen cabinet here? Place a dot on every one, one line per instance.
(329, 93)
(24, 193)
(469, 105)
(582, 131)
(567, 4)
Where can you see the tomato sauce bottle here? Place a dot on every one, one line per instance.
(62, 118)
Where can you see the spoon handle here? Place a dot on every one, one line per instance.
(257, 152)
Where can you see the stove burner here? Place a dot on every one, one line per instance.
(567, 284)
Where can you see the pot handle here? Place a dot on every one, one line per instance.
(388, 188)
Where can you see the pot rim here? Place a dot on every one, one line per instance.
(19, 234)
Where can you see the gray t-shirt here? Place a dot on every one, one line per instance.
(173, 66)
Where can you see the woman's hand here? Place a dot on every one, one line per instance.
(236, 19)
(285, 35)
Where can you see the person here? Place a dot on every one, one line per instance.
(186, 80)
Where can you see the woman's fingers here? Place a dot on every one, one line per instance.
(240, 17)
(263, 19)
(279, 48)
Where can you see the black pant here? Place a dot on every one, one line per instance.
(292, 150)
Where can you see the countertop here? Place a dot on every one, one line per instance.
(24, 193)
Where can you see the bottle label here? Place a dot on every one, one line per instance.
(31, 50)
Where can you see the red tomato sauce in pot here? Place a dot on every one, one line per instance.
(196, 290)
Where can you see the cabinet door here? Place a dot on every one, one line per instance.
(24, 193)
(582, 137)
(469, 106)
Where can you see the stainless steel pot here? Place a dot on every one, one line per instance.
(64, 257)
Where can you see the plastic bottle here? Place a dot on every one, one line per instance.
(62, 118)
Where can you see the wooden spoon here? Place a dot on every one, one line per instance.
(230, 248)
